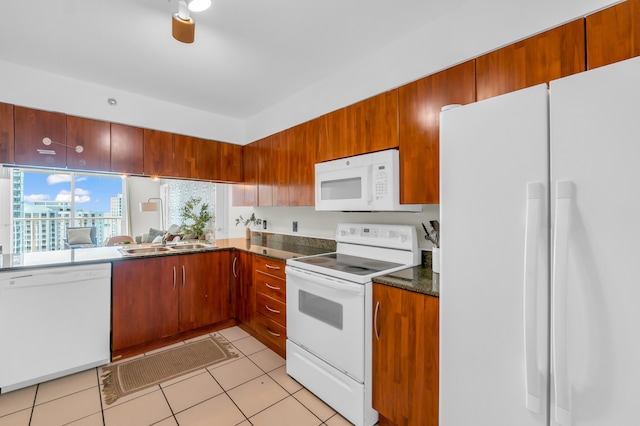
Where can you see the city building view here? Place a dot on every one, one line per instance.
(43, 208)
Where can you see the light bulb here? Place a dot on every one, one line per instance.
(199, 5)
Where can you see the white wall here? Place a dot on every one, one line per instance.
(323, 224)
(33, 88)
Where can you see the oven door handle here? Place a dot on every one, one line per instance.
(325, 281)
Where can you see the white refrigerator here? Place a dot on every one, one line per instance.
(540, 225)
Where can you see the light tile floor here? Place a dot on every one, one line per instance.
(251, 390)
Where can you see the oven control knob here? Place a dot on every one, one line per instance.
(343, 233)
(391, 234)
(352, 231)
(403, 238)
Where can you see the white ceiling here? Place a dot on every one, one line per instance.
(248, 55)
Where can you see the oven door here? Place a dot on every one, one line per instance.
(325, 316)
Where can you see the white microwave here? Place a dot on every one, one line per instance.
(368, 182)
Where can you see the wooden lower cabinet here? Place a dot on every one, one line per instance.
(270, 286)
(405, 357)
(242, 267)
(155, 298)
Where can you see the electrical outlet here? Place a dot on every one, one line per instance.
(295, 226)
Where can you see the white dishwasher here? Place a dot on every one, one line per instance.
(53, 322)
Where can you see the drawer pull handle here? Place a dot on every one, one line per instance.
(271, 266)
(273, 333)
(272, 287)
(275, 311)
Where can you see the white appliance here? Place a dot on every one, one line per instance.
(368, 182)
(53, 322)
(540, 220)
(329, 334)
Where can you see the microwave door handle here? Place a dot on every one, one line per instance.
(369, 184)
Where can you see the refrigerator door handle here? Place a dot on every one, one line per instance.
(533, 223)
(563, 214)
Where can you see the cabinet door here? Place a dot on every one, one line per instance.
(544, 57)
(6, 134)
(303, 140)
(419, 110)
(158, 153)
(32, 128)
(613, 34)
(367, 126)
(230, 162)
(88, 144)
(204, 289)
(184, 156)
(405, 356)
(127, 149)
(245, 297)
(246, 194)
(145, 301)
(208, 159)
(266, 170)
(281, 165)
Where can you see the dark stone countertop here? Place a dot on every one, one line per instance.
(418, 279)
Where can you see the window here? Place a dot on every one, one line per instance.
(46, 203)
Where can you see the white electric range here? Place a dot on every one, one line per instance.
(329, 313)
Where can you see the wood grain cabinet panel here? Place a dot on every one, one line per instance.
(613, 34)
(31, 128)
(281, 167)
(184, 156)
(158, 153)
(553, 54)
(246, 193)
(208, 159)
(204, 289)
(266, 169)
(367, 126)
(231, 162)
(270, 288)
(127, 149)
(242, 268)
(419, 108)
(405, 356)
(88, 144)
(6, 134)
(144, 308)
(303, 140)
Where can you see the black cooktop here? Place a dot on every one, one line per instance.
(349, 264)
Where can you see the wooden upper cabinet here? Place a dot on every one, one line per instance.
(6, 134)
(613, 34)
(219, 161)
(419, 108)
(33, 128)
(184, 156)
(230, 162)
(553, 54)
(127, 149)
(246, 194)
(265, 170)
(88, 144)
(158, 153)
(303, 140)
(281, 166)
(367, 126)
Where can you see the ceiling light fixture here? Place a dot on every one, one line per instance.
(183, 28)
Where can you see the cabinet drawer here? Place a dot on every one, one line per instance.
(271, 330)
(269, 266)
(271, 308)
(271, 286)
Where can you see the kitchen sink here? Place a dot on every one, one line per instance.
(195, 246)
(144, 250)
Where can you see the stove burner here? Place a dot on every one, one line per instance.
(349, 264)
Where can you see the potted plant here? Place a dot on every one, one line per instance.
(253, 220)
(195, 221)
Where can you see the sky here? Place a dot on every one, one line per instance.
(93, 193)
